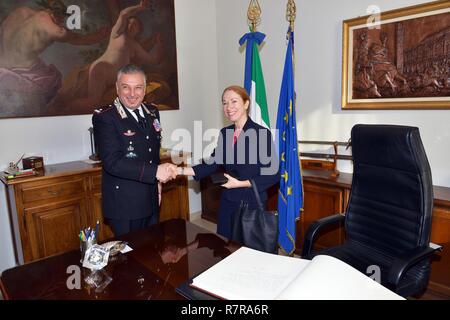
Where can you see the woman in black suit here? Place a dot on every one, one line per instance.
(246, 152)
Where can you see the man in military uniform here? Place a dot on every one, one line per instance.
(128, 135)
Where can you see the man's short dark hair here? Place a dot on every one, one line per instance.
(130, 69)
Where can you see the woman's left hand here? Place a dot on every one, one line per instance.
(233, 182)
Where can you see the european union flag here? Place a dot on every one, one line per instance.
(290, 196)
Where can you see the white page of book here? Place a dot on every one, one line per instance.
(328, 278)
(250, 274)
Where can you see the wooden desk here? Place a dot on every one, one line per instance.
(139, 274)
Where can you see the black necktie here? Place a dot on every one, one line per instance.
(141, 119)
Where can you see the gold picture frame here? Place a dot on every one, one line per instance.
(399, 59)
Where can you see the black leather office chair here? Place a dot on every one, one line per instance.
(388, 219)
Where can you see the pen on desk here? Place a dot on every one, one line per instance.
(97, 225)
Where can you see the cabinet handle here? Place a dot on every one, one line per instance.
(55, 193)
(24, 221)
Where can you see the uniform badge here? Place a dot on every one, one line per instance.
(129, 133)
(157, 125)
(130, 148)
(120, 109)
(131, 155)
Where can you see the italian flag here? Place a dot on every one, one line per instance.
(254, 79)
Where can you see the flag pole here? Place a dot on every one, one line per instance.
(291, 193)
(253, 15)
(291, 14)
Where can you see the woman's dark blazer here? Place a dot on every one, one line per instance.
(253, 156)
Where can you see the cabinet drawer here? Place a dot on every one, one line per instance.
(53, 190)
(96, 181)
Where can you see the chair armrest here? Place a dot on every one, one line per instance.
(315, 227)
(402, 264)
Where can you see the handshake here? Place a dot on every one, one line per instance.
(167, 172)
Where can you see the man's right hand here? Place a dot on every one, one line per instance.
(166, 172)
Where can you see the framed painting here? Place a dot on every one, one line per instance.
(398, 60)
(61, 57)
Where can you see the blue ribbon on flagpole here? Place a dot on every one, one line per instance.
(250, 38)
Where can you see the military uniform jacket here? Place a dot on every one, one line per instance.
(130, 158)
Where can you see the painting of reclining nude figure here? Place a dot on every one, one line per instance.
(401, 61)
(61, 57)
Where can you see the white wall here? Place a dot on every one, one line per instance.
(318, 47)
(197, 77)
(62, 139)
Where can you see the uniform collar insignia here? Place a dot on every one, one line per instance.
(150, 112)
(120, 109)
(145, 108)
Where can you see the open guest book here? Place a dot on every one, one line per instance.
(249, 274)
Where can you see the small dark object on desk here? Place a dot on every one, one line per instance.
(33, 163)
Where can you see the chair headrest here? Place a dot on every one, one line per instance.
(396, 147)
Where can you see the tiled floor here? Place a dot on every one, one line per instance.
(204, 223)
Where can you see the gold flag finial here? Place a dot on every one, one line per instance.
(253, 14)
(291, 12)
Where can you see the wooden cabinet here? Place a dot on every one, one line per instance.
(326, 195)
(50, 228)
(48, 211)
(321, 200)
(95, 207)
(440, 233)
(210, 199)
(174, 201)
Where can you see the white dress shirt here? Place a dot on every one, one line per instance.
(141, 112)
